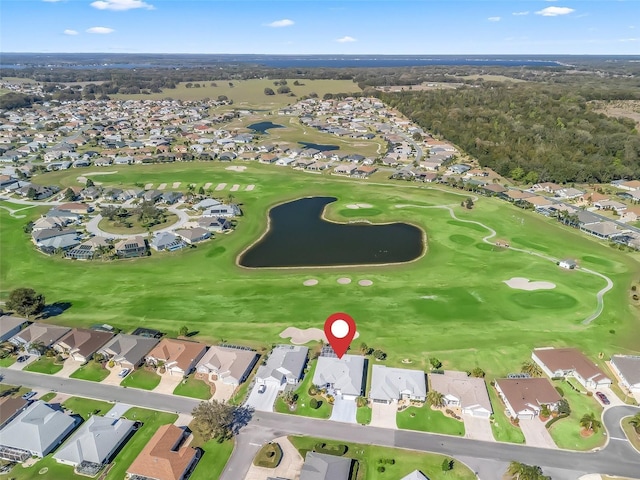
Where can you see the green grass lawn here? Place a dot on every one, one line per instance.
(8, 361)
(16, 390)
(48, 396)
(371, 457)
(86, 407)
(425, 419)
(51, 469)
(502, 428)
(363, 415)
(269, 456)
(632, 435)
(303, 408)
(136, 227)
(141, 378)
(92, 371)
(194, 388)
(455, 292)
(213, 461)
(566, 432)
(44, 364)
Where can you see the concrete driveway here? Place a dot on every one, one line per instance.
(478, 428)
(20, 365)
(113, 378)
(68, 367)
(344, 410)
(262, 402)
(536, 434)
(118, 410)
(383, 415)
(611, 396)
(290, 465)
(168, 383)
(223, 391)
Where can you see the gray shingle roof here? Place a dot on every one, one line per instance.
(285, 361)
(319, 466)
(345, 374)
(388, 383)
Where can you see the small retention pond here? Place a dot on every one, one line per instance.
(298, 236)
(262, 127)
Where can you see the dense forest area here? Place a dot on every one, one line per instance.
(530, 132)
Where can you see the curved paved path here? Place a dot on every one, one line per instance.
(92, 225)
(493, 233)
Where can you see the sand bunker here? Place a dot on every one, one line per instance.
(299, 336)
(162, 186)
(100, 173)
(429, 297)
(310, 283)
(207, 185)
(365, 283)
(148, 186)
(344, 281)
(520, 283)
(176, 184)
(235, 188)
(250, 187)
(221, 186)
(355, 206)
(236, 168)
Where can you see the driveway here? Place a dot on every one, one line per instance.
(536, 434)
(344, 410)
(113, 378)
(478, 428)
(168, 383)
(383, 415)
(118, 410)
(68, 367)
(262, 402)
(290, 465)
(613, 398)
(223, 391)
(20, 365)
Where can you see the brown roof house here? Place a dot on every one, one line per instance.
(10, 407)
(131, 247)
(81, 343)
(569, 362)
(165, 457)
(36, 335)
(179, 356)
(461, 390)
(524, 397)
(230, 365)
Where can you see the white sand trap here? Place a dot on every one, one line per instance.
(299, 336)
(148, 186)
(236, 168)
(82, 179)
(310, 283)
(429, 297)
(176, 184)
(235, 188)
(365, 283)
(162, 186)
(520, 283)
(250, 187)
(344, 281)
(101, 173)
(221, 186)
(207, 185)
(355, 206)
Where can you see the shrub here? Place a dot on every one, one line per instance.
(381, 469)
(329, 449)
(314, 404)
(312, 390)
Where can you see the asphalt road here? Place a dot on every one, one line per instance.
(617, 458)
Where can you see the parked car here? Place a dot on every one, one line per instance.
(29, 395)
(603, 398)
(124, 373)
(23, 358)
(262, 388)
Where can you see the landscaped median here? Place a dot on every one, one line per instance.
(142, 378)
(631, 427)
(305, 404)
(425, 419)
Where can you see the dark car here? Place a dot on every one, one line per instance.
(23, 358)
(603, 398)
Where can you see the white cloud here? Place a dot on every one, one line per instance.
(494, 19)
(629, 40)
(521, 14)
(68, 31)
(121, 5)
(555, 11)
(100, 30)
(346, 39)
(285, 22)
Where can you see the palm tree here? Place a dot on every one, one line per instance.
(531, 368)
(635, 422)
(517, 470)
(590, 422)
(435, 399)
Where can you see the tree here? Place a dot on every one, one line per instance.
(563, 407)
(520, 471)
(364, 347)
(284, 89)
(184, 330)
(25, 302)
(269, 91)
(590, 422)
(69, 194)
(435, 363)
(531, 368)
(477, 372)
(213, 419)
(435, 399)
(89, 183)
(31, 193)
(417, 137)
(635, 422)
(201, 190)
(447, 465)
(468, 203)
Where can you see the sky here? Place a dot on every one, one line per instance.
(417, 27)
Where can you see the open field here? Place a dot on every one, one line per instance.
(619, 108)
(452, 303)
(249, 93)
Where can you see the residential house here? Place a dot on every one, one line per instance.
(131, 247)
(494, 188)
(207, 203)
(96, 441)
(214, 224)
(167, 456)
(461, 390)
(128, 351)
(630, 185)
(87, 250)
(284, 366)
(223, 210)
(570, 362)
(346, 169)
(610, 205)
(599, 229)
(81, 343)
(76, 208)
(51, 239)
(364, 171)
(179, 357)
(37, 336)
(459, 169)
(11, 406)
(152, 195)
(230, 365)
(415, 475)
(166, 241)
(91, 193)
(10, 326)
(524, 397)
(548, 187)
(514, 195)
(36, 431)
(319, 466)
(627, 368)
(194, 235)
(569, 193)
(393, 384)
(170, 198)
(344, 376)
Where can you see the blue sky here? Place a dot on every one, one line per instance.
(315, 27)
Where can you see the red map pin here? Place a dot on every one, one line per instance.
(340, 329)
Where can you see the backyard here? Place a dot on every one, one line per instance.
(425, 419)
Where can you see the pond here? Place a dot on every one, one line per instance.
(319, 146)
(262, 127)
(298, 236)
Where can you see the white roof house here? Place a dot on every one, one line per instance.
(393, 384)
(460, 390)
(627, 367)
(345, 376)
(231, 365)
(95, 441)
(284, 366)
(415, 475)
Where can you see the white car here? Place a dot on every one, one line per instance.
(124, 373)
(262, 388)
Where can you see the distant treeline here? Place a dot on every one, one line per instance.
(530, 132)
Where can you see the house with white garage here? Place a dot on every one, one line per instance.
(179, 357)
(570, 362)
(394, 384)
(284, 366)
(36, 431)
(627, 368)
(344, 376)
(230, 365)
(415, 475)
(96, 441)
(320, 466)
(37, 336)
(128, 351)
(222, 210)
(193, 235)
(524, 397)
(81, 343)
(461, 390)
